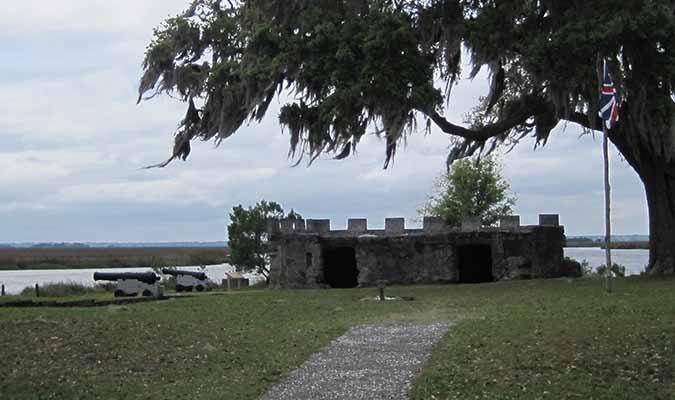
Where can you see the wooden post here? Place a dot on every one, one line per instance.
(3, 290)
(239, 283)
(229, 285)
(381, 285)
(37, 290)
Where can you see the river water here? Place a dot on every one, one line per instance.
(635, 261)
(14, 281)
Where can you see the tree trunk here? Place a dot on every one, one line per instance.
(659, 182)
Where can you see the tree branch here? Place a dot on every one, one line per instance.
(583, 120)
(528, 107)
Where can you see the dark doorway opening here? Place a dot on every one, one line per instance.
(475, 263)
(340, 267)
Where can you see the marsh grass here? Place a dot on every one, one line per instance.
(114, 257)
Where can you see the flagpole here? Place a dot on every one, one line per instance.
(608, 222)
(605, 158)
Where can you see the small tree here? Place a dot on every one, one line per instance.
(470, 189)
(247, 235)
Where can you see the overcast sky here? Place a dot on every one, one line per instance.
(73, 141)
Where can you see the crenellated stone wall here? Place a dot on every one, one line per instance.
(309, 254)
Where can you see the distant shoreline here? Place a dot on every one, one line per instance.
(107, 245)
(45, 258)
(635, 245)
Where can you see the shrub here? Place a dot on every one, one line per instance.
(572, 268)
(60, 289)
(617, 269)
(586, 269)
(584, 266)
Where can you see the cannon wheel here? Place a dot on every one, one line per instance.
(200, 288)
(147, 293)
(179, 288)
(119, 293)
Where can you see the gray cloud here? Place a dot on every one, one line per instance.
(73, 143)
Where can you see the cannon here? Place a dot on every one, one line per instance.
(132, 283)
(188, 280)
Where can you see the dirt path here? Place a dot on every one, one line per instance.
(368, 362)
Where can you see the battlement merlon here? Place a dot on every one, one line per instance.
(396, 226)
(359, 225)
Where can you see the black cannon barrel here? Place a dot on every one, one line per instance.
(145, 277)
(175, 272)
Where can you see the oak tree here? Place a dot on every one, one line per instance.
(385, 65)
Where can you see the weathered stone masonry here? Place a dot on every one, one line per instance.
(308, 254)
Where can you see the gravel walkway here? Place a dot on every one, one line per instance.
(368, 362)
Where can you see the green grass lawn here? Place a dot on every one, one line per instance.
(526, 340)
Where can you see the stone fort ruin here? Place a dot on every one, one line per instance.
(308, 254)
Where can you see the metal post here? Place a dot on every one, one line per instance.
(608, 224)
(37, 290)
(600, 65)
(3, 290)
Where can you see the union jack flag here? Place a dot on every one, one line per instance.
(609, 101)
